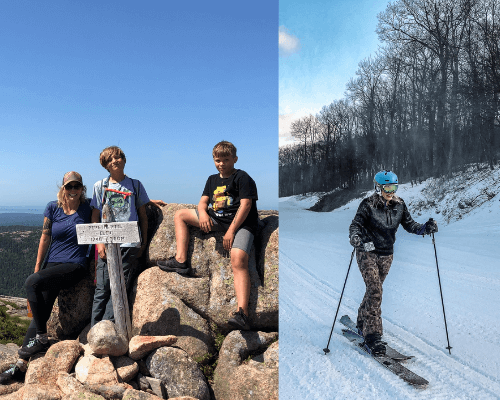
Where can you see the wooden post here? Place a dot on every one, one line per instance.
(112, 234)
(117, 281)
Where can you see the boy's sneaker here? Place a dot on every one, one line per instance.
(35, 346)
(239, 320)
(172, 265)
(14, 373)
(374, 342)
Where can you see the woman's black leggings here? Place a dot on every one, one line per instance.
(42, 290)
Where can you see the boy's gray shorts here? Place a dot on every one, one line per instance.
(243, 239)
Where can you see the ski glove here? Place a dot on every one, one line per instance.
(356, 242)
(430, 227)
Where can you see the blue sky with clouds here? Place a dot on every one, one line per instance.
(165, 81)
(321, 44)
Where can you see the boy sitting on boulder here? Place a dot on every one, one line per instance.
(228, 204)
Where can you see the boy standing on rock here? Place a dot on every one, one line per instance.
(127, 199)
(228, 204)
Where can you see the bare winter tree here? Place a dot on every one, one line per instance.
(426, 104)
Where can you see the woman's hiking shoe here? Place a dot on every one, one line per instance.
(35, 346)
(374, 342)
(172, 265)
(239, 320)
(14, 373)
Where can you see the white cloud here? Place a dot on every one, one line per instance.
(285, 123)
(284, 129)
(288, 43)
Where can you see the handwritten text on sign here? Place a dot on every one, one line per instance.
(108, 232)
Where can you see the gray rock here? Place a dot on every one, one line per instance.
(68, 383)
(82, 395)
(104, 339)
(126, 368)
(21, 305)
(72, 310)
(10, 388)
(132, 394)
(91, 370)
(8, 355)
(157, 312)
(140, 346)
(178, 372)
(272, 356)
(10, 396)
(8, 349)
(157, 387)
(266, 299)
(237, 378)
(212, 263)
(143, 382)
(38, 392)
(110, 391)
(60, 357)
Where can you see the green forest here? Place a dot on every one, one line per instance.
(18, 250)
(12, 328)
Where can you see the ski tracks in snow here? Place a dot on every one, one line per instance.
(307, 307)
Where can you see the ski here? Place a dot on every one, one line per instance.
(386, 360)
(394, 366)
(353, 335)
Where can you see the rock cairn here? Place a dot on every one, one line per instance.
(179, 325)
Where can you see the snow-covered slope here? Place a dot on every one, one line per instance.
(314, 258)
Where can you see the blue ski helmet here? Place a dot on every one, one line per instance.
(385, 177)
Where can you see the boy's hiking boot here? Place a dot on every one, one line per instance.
(239, 320)
(172, 265)
(14, 373)
(36, 345)
(374, 342)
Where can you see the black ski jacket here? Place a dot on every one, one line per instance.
(375, 222)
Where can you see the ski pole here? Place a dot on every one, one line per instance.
(441, 291)
(326, 350)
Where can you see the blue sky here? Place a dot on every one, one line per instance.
(321, 45)
(165, 81)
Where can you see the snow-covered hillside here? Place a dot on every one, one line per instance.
(314, 258)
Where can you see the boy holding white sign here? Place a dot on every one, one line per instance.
(127, 199)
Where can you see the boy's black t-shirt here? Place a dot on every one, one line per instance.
(225, 195)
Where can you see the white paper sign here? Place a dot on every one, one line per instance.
(108, 232)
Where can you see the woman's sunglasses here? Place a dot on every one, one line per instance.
(71, 187)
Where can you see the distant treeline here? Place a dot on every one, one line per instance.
(25, 219)
(18, 251)
(426, 104)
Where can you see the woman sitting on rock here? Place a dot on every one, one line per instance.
(65, 266)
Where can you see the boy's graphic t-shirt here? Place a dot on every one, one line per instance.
(225, 195)
(124, 197)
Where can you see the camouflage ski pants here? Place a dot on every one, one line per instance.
(374, 269)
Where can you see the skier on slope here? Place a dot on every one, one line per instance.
(373, 233)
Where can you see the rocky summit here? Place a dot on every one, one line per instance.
(182, 346)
